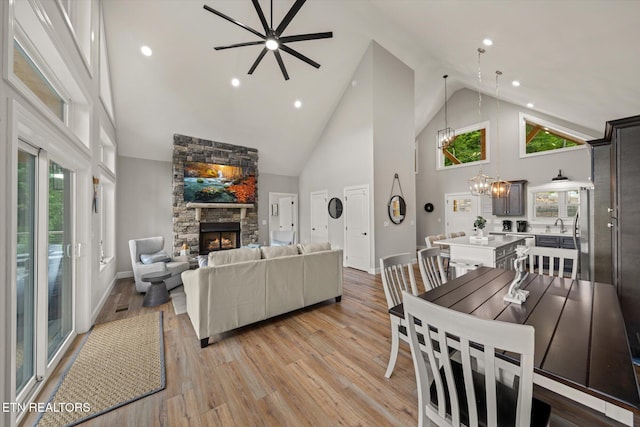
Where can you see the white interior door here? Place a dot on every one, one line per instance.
(461, 210)
(357, 228)
(319, 217)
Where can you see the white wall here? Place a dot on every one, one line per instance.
(144, 201)
(91, 284)
(271, 183)
(431, 185)
(368, 139)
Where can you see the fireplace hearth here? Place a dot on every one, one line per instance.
(219, 236)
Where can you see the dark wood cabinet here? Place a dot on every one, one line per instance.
(514, 205)
(616, 224)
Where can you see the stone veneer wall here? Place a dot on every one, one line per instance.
(185, 226)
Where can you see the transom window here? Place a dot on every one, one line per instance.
(468, 147)
(27, 71)
(538, 136)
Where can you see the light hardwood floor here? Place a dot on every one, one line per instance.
(320, 366)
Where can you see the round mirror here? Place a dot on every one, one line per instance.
(397, 209)
(335, 208)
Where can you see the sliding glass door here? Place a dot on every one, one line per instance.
(26, 271)
(59, 259)
(44, 264)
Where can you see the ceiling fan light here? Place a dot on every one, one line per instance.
(272, 44)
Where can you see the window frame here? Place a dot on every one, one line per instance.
(440, 157)
(562, 188)
(555, 128)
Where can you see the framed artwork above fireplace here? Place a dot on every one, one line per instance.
(215, 183)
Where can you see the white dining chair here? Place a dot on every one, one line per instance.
(559, 262)
(455, 394)
(432, 271)
(397, 277)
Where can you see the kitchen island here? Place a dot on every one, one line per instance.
(498, 252)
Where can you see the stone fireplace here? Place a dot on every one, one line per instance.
(219, 236)
(187, 218)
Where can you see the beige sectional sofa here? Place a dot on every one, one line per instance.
(247, 285)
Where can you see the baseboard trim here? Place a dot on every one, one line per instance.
(103, 300)
(124, 274)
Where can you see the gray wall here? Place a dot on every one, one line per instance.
(144, 202)
(369, 138)
(343, 155)
(393, 152)
(271, 183)
(431, 184)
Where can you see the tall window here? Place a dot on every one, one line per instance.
(468, 147)
(538, 136)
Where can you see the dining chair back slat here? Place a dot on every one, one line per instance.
(432, 270)
(559, 262)
(397, 277)
(454, 393)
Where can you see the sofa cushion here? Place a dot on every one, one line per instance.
(233, 256)
(160, 256)
(278, 251)
(309, 248)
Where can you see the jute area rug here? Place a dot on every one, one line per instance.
(118, 363)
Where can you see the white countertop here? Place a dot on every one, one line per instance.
(533, 233)
(498, 242)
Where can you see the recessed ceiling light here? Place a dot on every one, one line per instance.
(235, 82)
(515, 83)
(487, 42)
(297, 104)
(146, 51)
(530, 105)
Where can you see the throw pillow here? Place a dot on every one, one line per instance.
(160, 256)
(278, 251)
(308, 248)
(203, 260)
(279, 243)
(233, 256)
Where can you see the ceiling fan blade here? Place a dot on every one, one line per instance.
(289, 16)
(239, 45)
(240, 24)
(263, 20)
(255, 64)
(281, 64)
(303, 37)
(299, 56)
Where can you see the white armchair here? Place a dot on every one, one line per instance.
(151, 245)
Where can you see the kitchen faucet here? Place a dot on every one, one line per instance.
(562, 229)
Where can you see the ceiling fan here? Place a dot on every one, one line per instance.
(272, 39)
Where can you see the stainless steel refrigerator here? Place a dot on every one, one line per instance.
(583, 234)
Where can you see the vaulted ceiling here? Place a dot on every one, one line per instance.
(576, 59)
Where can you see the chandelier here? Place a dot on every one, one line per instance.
(480, 185)
(499, 188)
(447, 135)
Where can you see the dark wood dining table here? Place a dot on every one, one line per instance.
(581, 347)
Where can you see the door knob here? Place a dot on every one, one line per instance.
(364, 234)
(313, 229)
(610, 225)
